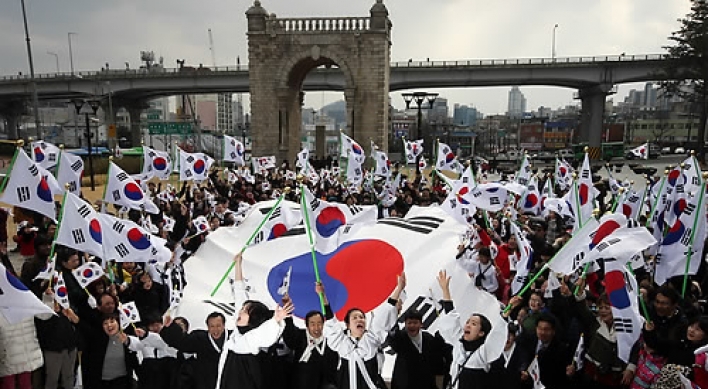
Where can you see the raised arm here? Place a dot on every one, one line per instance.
(449, 324)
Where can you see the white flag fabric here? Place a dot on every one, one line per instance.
(525, 263)
(234, 150)
(686, 235)
(630, 203)
(641, 151)
(458, 203)
(122, 189)
(70, 172)
(567, 259)
(327, 220)
(619, 243)
(579, 356)
(422, 164)
(490, 196)
(553, 284)
(194, 166)
(126, 241)
(27, 188)
(285, 286)
(61, 294)
(201, 224)
(80, 227)
(156, 163)
(413, 150)
(563, 174)
(383, 165)
(622, 291)
(355, 174)
(118, 152)
(282, 220)
(129, 314)
(535, 373)
(48, 271)
(530, 202)
(692, 175)
(45, 154)
(18, 303)
(262, 164)
(350, 149)
(446, 159)
(586, 192)
(87, 273)
(303, 160)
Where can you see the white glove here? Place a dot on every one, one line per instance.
(92, 302)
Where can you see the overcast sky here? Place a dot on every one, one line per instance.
(116, 32)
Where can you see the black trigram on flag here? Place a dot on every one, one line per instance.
(76, 166)
(420, 224)
(84, 211)
(78, 236)
(354, 209)
(426, 307)
(122, 176)
(72, 186)
(188, 172)
(314, 204)
(623, 325)
(23, 193)
(52, 157)
(33, 170)
(190, 159)
(122, 250)
(118, 227)
(116, 195)
(276, 214)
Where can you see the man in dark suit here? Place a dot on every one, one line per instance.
(420, 356)
(554, 356)
(207, 345)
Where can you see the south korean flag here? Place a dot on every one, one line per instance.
(45, 154)
(122, 189)
(156, 163)
(70, 172)
(126, 241)
(80, 227)
(413, 150)
(234, 150)
(27, 188)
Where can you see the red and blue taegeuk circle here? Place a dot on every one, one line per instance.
(87, 273)
(61, 291)
(357, 149)
(133, 191)
(674, 177)
(449, 157)
(531, 201)
(461, 195)
(584, 193)
(38, 154)
(674, 234)
(616, 289)
(95, 231)
(329, 220)
(43, 191)
(277, 231)
(137, 239)
(159, 163)
(346, 274)
(199, 166)
(603, 231)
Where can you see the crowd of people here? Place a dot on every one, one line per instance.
(267, 350)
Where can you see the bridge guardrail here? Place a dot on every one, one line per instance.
(106, 75)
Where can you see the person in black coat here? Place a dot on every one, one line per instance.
(58, 339)
(206, 344)
(554, 356)
(315, 363)
(151, 298)
(506, 371)
(420, 356)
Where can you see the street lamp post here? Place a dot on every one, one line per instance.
(56, 57)
(71, 53)
(553, 48)
(35, 98)
(93, 105)
(419, 98)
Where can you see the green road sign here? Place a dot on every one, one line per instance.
(170, 128)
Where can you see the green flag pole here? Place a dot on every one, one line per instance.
(250, 239)
(699, 214)
(19, 143)
(656, 202)
(641, 300)
(308, 228)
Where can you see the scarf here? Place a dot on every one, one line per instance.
(318, 344)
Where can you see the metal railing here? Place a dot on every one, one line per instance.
(189, 71)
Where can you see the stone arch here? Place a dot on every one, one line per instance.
(282, 51)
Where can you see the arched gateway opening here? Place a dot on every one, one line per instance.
(282, 51)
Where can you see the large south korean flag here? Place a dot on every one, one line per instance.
(361, 272)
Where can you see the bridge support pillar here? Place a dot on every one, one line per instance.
(110, 113)
(136, 135)
(592, 118)
(12, 113)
